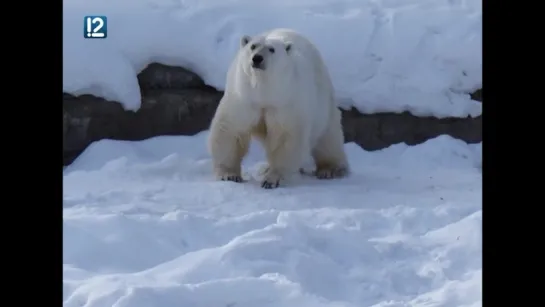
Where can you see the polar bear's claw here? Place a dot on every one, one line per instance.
(270, 185)
(233, 178)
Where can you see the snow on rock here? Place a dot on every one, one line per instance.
(422, 56)
(146, 224)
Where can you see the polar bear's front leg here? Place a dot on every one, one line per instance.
(285, 145)
(228, 151)
(228, 143)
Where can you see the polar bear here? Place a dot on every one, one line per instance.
(279, 91)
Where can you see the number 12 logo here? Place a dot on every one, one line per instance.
(95, 27)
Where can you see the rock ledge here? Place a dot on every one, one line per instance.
(176, 101)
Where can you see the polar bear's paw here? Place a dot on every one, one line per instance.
(270, 184)
(230, 176)
(331, 172)
(271, 179)
(233, 178)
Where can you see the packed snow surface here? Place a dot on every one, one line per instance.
(422, 56)
(146, 225)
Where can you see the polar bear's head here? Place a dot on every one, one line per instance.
(265, 55)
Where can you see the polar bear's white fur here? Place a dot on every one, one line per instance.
(278, 90)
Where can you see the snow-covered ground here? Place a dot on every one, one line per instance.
(146, 225)
(424, 56)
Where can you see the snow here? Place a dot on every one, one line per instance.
(145, 224)
(422, 56)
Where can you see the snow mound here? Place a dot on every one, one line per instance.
(145, 224)
(422, 56)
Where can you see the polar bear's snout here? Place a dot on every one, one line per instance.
(257, 61)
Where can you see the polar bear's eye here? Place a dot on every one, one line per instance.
(252, 47)
(271, 50)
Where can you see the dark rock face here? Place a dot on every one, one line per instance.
(158, 76)
(176, 101)
(377, 131)
(163, 112)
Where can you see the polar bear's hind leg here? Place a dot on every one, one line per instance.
(328, 154)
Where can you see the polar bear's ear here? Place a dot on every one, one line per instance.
(288, 47)
(245, 40)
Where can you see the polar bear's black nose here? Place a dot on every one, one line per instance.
(257, 59)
